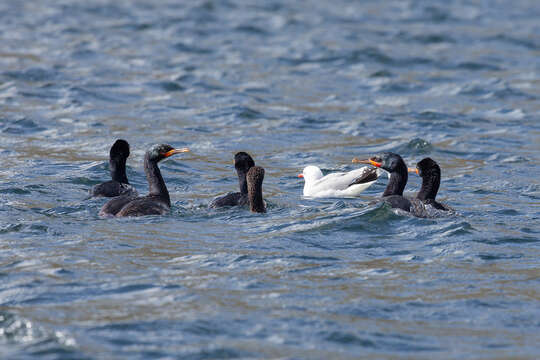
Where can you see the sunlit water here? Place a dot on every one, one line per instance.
(293, 84)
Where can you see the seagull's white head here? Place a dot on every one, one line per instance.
(311, 173)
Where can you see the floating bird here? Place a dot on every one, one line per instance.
(119, 185)
(394, 164)
(430, 172)
(242, 163)
(254, 179)
(339, 184)
(157, 202)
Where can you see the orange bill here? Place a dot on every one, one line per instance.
(175, 151)
(366, 161)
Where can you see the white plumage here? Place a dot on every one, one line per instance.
(335, 184)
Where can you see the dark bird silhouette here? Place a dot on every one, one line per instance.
(119, 185)
(255, 177)
(242, 163)
(157, 202)
(430, 172)
(394, 164)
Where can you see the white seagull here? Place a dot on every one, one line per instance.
(339, 184)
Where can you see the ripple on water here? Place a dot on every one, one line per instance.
(21, 126)
(416, 146)
(60, 211)
(437, 38)
(33, 75)
(167, 86)
(348, 339)
(505, 114)
(477, 66)
(15, 190)
(509, 240)
(527, 42)
(194, 331)
(496, 257)
(432, 115)
(191, 49)
(251, 29)
(89, 95)
(458, 229)
(4, 229)
(30, 339)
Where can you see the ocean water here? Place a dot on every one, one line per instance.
(293, 84)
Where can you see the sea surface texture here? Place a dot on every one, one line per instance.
(293, 84)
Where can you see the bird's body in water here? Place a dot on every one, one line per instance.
(430, 172)
(157, 202)
(242, 163)
(338, 184)
(113, 206)
(119, 184)
(394, 164)
(422, 205)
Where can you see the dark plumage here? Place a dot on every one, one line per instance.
(368, 176)
(394, 164)
(255, 177)
(113, 206)
(242, 163)
(119, 185)
(157, 202)
(393, 194)
(430, 172)
(231, 199)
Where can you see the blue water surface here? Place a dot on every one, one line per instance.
(293, 84)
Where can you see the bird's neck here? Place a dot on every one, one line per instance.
(255, 197)
(242, 182)
(118, 170)
(397, 182)
(156, 185)
(430, 187)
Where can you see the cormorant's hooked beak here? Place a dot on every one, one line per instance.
(367, 161)
(413, 170)
(301, 176)
(175, 151)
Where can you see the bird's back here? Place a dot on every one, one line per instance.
(146, 205)
(231, 199)
(111, 188)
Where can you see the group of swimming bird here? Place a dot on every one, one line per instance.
(127, 202)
